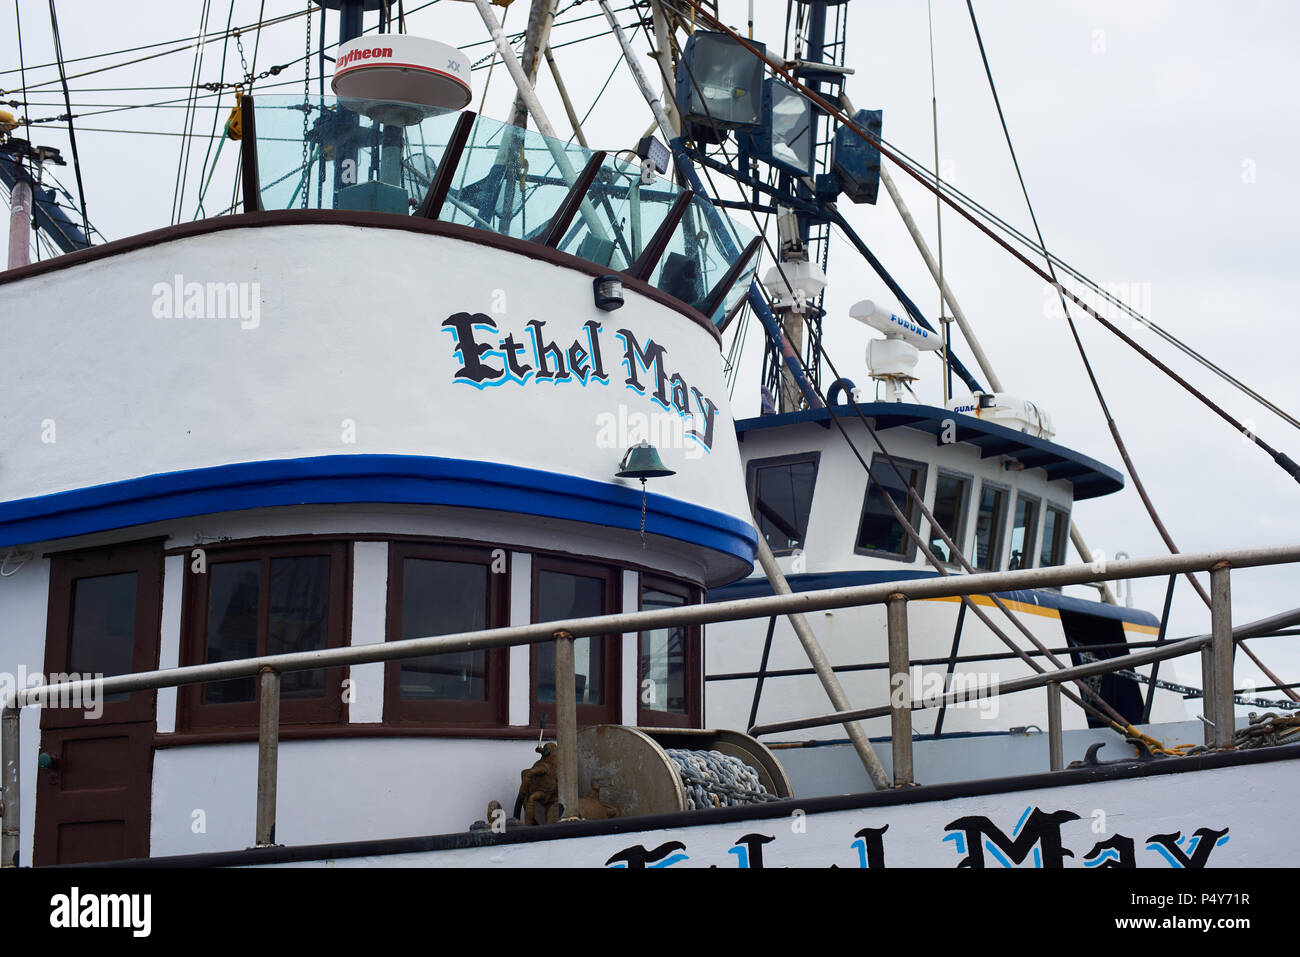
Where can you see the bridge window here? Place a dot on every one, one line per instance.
(879, 531)
(443, 590)
(951, 498)
(1023, 529)
(562, 590)
(669, 674)
(781, 491)
(989, 522)
(1056, 531)
(266, 600)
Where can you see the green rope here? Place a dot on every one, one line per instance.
(203, 192)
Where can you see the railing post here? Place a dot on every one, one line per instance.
(1207, 693)
(900, 690)
(1221, 709)
(9, 836)
(1055, 751)
(566, 720)
(268, 756)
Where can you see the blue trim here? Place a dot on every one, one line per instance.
(1089, 477)
(813, 581)
(387, 479)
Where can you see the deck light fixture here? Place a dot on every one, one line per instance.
(609, 292)
(642, 462)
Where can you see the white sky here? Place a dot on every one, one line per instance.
(1157, 141)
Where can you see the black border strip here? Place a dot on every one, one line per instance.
(776, 809)
(248, 156)
(573, 201)
(644, 267)
(436, 195)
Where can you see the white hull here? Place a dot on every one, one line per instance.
(1150, 821)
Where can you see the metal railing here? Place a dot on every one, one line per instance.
(1216, 650)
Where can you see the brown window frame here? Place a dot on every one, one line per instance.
(193, 714)
(607, 713)
(145, 559)
(693, 718)
(493, 711)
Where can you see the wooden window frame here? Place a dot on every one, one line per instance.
(654, 718)
(193, 714)
(751, 487)
(145, 559)
(491, 712)
(607, 713)
(907, 507)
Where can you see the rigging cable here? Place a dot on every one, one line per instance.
(915, 496)
(72, 134)
(1282, 459)
(187, 43)
(1087, 364)
(1113, 717)
(187, 125)
(225, 47)
(944, 326)
(1096, 288)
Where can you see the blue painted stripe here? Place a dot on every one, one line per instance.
(1044, 597)
(383, 479)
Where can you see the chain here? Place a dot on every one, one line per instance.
(1189, 692)
(713, 779)
(246, 82)
(249, 79)
(1267, 730)
(306, 103)
(1263, 731)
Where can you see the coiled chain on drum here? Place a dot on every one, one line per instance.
(713, 779)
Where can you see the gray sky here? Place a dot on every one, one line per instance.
(1157, 142)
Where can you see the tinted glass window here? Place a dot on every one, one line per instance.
(1056, 526)
(444, 598)
(298, 618)
(103, 626)
(989, 522)
(560, 596)
(782, 500)
(879, 530)
(663, 658)
(950, 496)
(233, 598)
(297, 612)
(1023, 529)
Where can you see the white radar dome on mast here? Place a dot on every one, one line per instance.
(398, 79)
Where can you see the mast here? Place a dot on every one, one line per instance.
(351, 25)
(820, 64)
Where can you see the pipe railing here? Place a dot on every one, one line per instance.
(1216, 651)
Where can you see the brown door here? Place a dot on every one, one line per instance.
(96, 767)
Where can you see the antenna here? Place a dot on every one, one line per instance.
(893, 358)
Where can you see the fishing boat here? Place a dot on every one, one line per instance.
(388, 510)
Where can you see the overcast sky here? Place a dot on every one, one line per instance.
(1157, 141)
